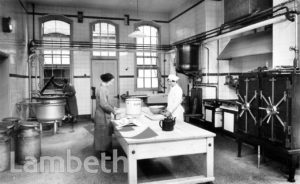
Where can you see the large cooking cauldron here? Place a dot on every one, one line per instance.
(49, 108)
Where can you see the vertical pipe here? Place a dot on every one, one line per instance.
(218, 68)
(29, 77)
(296, 35)
(207, 64)
(164, 72)
(33, 21)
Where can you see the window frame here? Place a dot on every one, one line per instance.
(158, 62)
(66, 20)
(117, 39)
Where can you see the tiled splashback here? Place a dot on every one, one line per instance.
(14, 81)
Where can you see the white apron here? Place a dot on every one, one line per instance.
(174, 103)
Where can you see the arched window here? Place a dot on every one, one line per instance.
(57, 62)
(147, 62)
(104, 33)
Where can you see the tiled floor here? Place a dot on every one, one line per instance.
(228, 167)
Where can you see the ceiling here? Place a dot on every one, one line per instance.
(154, 6)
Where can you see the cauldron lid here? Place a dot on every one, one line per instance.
(11, 119)
(29, 124)
(4, 126)
(50, 97)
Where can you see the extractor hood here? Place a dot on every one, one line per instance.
(249, 45)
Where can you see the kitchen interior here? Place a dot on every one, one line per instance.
(238, 68)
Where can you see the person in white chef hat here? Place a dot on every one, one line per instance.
(174, 107)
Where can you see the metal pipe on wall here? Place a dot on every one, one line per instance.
(296, 35)
(248, 28)
(33, 21)
(207, 64)
(218, 68)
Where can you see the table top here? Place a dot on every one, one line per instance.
(148, 130)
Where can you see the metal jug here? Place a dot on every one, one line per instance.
(167, 124)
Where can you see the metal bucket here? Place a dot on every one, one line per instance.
(4, 149)
(28, 146)
(133, 106)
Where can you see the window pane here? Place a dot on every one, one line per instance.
(153, 54)
(112, 53)
(147, 30)
(147, 61)
(147, 40)
(140, 83)
(154, 40)
(97, 28)
(65, 52)
(47, 61)
(104, 53)
(49, 27)
(154, 73)
(47, 51)
(154, 61)
(147, 82)
(139, 61)
(111, 29)
(57, 52)
(147, 54)
(154, 82)
(47, 73)
(96, 53)
(139, 41)
(104, 29)
(153, 31)
(139, 53)
(66, 60)
(141, 28)
(140, 73)
(56, 60)
(147, 73)
(62, 27)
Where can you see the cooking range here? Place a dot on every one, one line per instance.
(269, 115)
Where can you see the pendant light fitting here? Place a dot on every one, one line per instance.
(137, 33)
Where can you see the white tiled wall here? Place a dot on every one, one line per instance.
(82, 63)
(14, 44)
(283, 38)
(83, 95)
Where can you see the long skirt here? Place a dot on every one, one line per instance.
(103, 132)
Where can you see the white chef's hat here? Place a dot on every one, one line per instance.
(173, 77)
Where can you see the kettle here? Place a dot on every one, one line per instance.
(168, 123)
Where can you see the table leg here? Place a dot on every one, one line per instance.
(239, 147)
(132, 168)
(210, 158)
(41, 127)
(55, 127)
(292, 168)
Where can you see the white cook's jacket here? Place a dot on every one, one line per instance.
(174, 103)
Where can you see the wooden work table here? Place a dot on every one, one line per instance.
(147, 140)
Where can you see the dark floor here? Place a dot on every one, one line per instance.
(228, 167)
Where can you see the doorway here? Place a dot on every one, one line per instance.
(100, 67)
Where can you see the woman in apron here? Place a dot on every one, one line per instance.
(174, 107)
(71, 101)
(104, 109)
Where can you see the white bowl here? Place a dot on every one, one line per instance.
(156, 109)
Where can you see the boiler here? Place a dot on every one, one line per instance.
(187, 58)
